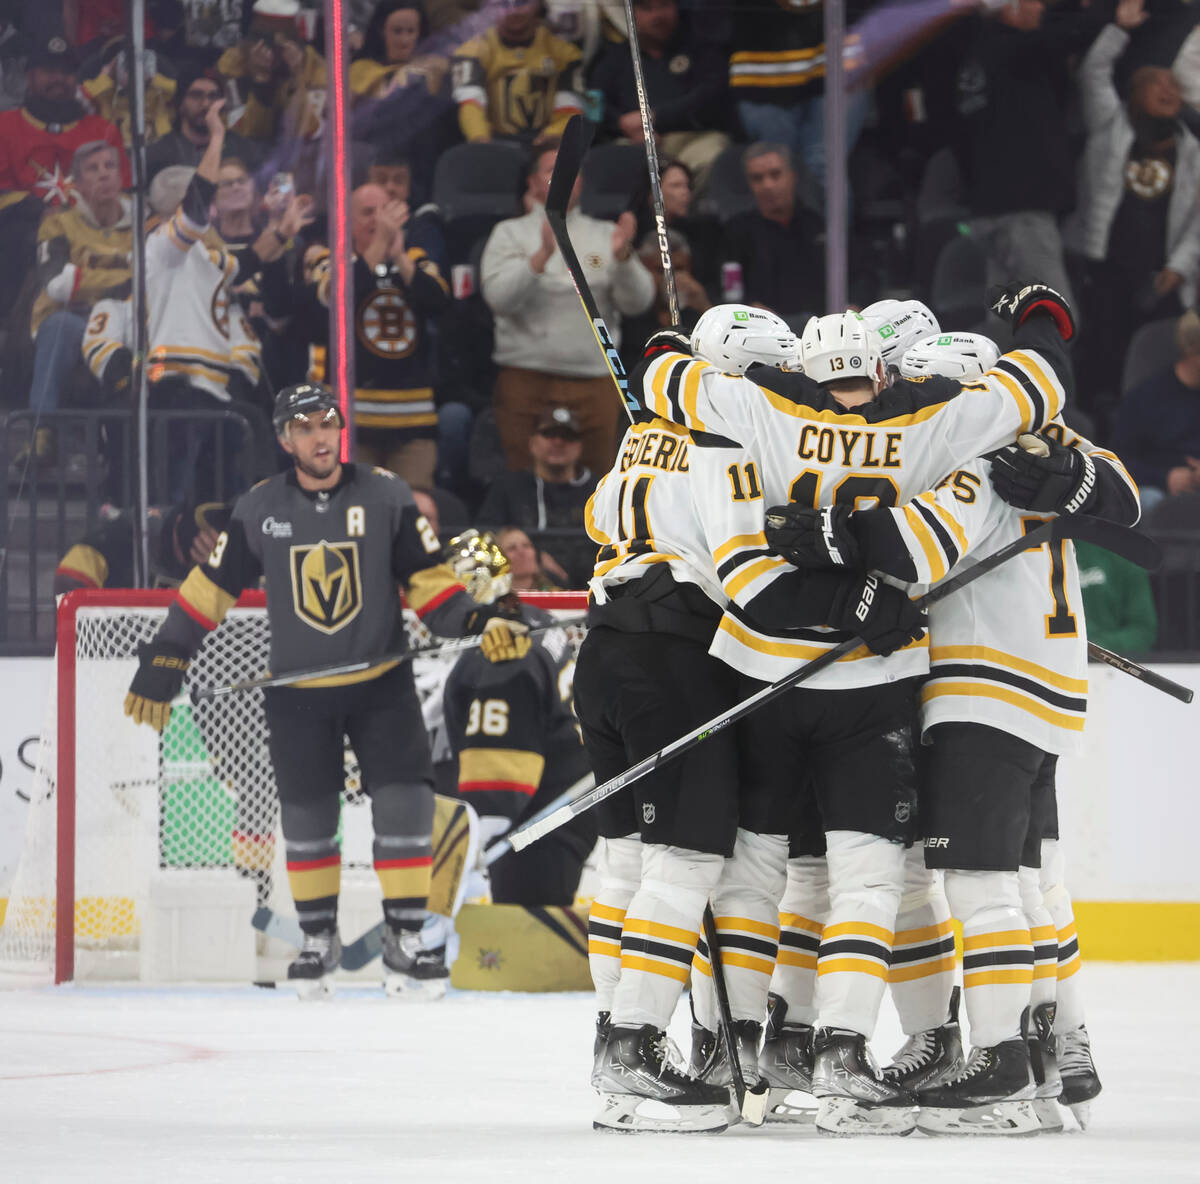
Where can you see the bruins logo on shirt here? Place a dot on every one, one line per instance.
(326, 584)
(386, 325)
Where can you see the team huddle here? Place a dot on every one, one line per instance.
(775, 498)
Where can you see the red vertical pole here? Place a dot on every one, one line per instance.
(64, 887)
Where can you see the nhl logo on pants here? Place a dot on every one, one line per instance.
(647, 812)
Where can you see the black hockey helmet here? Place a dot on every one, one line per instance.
(303, 398)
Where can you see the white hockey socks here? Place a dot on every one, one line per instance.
(866, 876)
(662, 927)
(1068, 1011)
(802, 914)
(923, 967)
(1043, 935)
(745, 908)
(997, 952)
(620, 874)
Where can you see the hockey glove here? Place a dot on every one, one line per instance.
(1015, 304)
(672, 340)
(505, 641)
(881, 615)
(118, 373)
(159, 678)
(813, 538)
(1040, 474)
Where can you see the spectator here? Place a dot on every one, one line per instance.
(389, 62)
(186, 144)
(1158, 423)
(544, 348)
(14, 51)
(38, 142)
(777, 246)
(685, 83)
(1117, 601)
(1138, 222)
(109, 93)
(83, 257)
(398, 290)
(528, 575)
(517, 81)
(551, 495)
(1014, 143)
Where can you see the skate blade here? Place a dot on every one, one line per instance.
(414, 990)
(998, 1118)
(314, 990)
(795, 1106)
(848, 1117)
(1049, 1119)
(630, 1114)
(1082, 1112)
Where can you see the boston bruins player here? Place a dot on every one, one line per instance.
(332, 542)
(513, 729)
(1006, 695)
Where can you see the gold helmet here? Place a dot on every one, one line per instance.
(478, 561)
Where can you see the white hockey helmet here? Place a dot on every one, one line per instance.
(735, 336)
(840, 346)
(953, 355)
(899, 324)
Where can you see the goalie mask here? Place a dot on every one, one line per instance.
(480, 564)
(841, 346)
(734, 337)
(960, 356)
(899, 324)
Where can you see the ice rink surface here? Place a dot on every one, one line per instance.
(177, 1084)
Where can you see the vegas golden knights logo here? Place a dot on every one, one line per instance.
(386, 325)
(326, 588)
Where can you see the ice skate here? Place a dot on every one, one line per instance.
(929, 1058)
(785, 1064)
(414, 962)
(992, 1096)
(641, 1090)
(852, 1096)
(1080, 1083)
(313, 967)
(603, 1028)
(1044, 1062)
(709, 1061)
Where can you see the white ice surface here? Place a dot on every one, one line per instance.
(176, 1084)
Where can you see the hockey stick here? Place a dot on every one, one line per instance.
(660, 209)
(1119, 539)
(751, 1103)
(1149, 677)
(458, 644)
(572, 149)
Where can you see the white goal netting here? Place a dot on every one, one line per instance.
(193, 811)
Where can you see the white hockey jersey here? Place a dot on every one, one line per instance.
(885, 453)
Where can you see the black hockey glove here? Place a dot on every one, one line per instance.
(118, 373)
(159, 678)
(1016, 303)
(819, 538)
(673, 340)
(881, 615)
(1040, 474)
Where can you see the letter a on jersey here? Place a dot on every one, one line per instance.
(326, 588)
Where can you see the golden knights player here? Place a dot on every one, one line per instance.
(332, 542)
(512, 726)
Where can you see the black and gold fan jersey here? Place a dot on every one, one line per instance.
(331, 561)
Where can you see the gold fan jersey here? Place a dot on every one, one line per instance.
(516, 90)
(809, 450)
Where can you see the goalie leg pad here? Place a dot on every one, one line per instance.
(802, 914)
(620, 875)
(866, 877)
(997, 952)
(923, 966)
(660, 932)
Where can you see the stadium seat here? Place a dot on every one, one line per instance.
(1151, 349)
(474, 187)
(1175, 523)
(957, 291)
(614, 180)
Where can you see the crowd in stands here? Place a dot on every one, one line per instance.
(987, 139)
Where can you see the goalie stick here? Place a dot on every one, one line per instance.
(458, 644)
(1119, 539)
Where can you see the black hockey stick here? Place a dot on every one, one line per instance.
(751, 1103)
(660, 209)
(1118, 539)
(1149, 677)
(572, 149)
(457, 645)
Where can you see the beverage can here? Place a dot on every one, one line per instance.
(732, 288)
(462, 280)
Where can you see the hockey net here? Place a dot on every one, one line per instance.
(117, 808)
